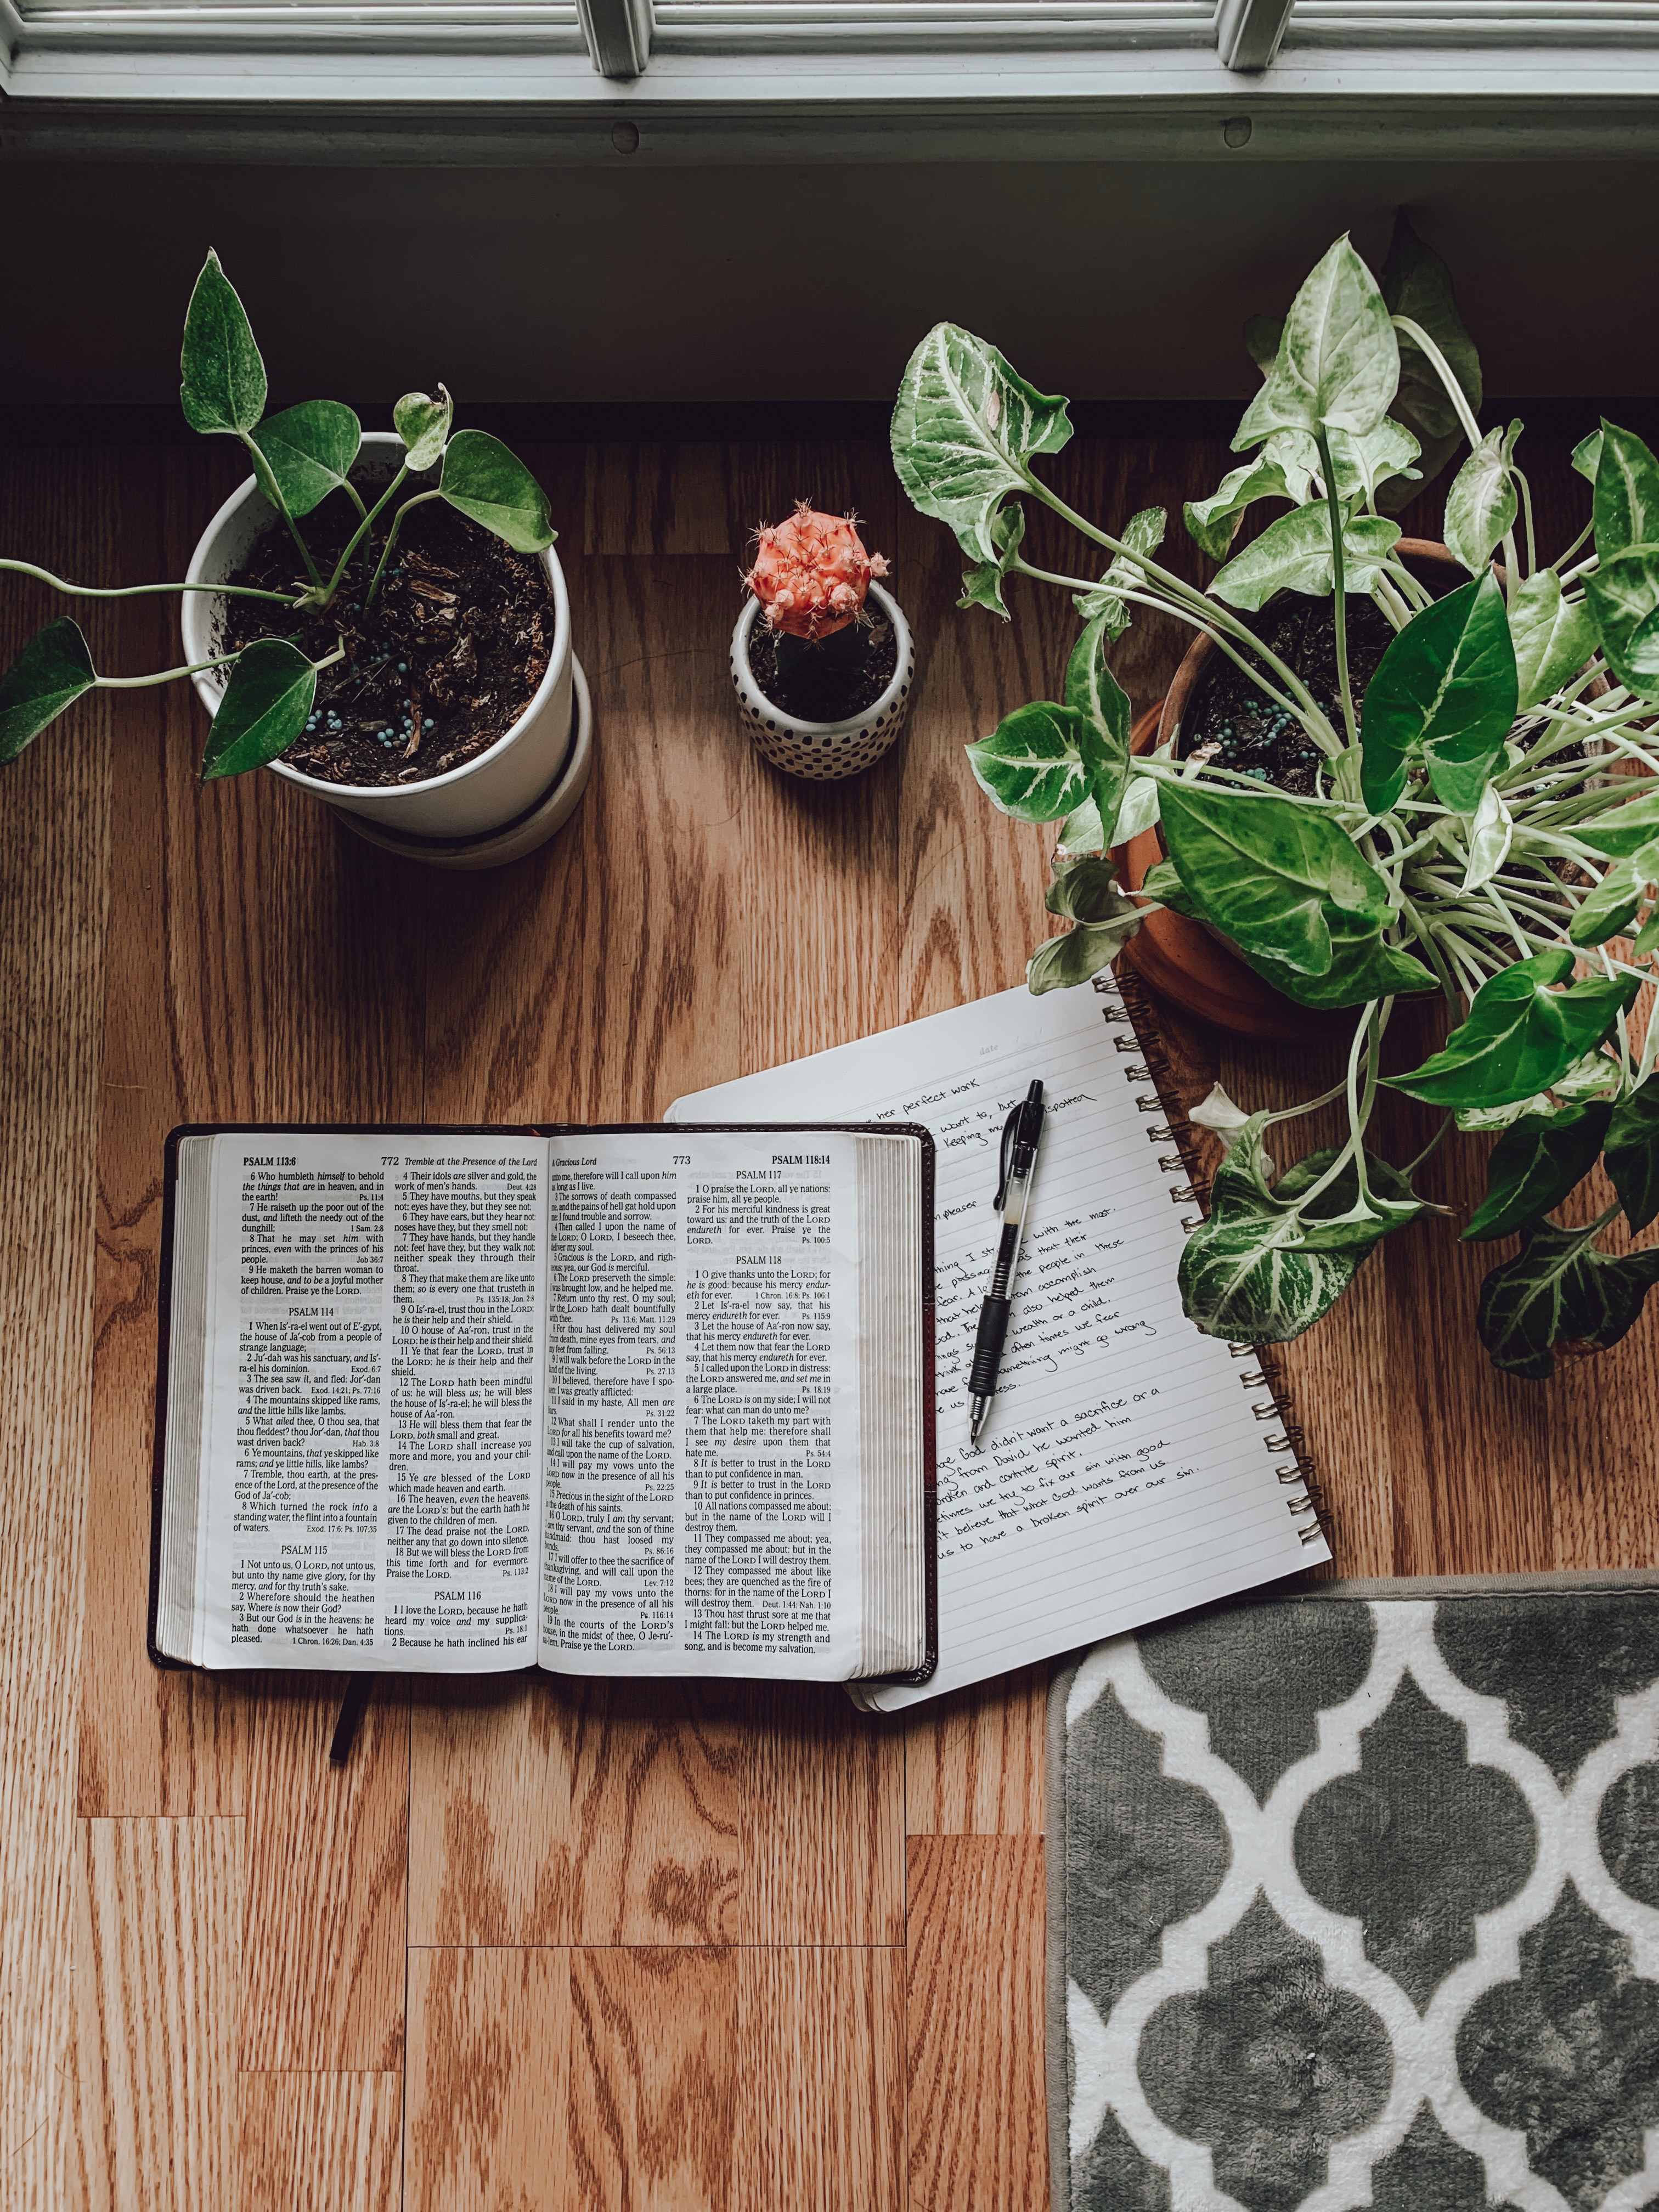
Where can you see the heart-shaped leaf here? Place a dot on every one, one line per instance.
(1141, 806)
(1417, 283)
(1338, 363)
(1482, 503)
(1553, 636)
(1141, 536)
(1095, 692)
(422, 423)
(1212, 523)
(309, 450)
(1363, 966)
(983, 586)
(1031, 764)
(1491, 834)
(1626, 493)
(222, 384)
(1263, 1268)
(965, 425)
(1632, 1153)
(1609, 909)
(1536, 1162)
(1626, 830)
(1294, 555)
(1559, 1289)
(1085, 892)
(1623, 594)
(1447, 684)
(51, 672)
(1587, 455)
(266, 701)
(485, 481)
(1270, 873)
(1521, 1033)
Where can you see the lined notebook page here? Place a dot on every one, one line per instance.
(1123, 1476)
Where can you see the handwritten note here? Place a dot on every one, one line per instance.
(1124, 1475)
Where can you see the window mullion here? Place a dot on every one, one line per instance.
(1248, 31)
(618, 34)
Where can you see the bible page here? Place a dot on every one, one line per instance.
(1122, 1476)
(703, 1505)
(372, 1413)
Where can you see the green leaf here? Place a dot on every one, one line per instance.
(1609, 909)
(1559, 1289)
(309, 451)
(1141, 806)
(51, 672)
(1081, 831)
(223, 378)
(1647, 938)
(1031, 764)
(1482, 503)
(1632, 1153)
(1271, 874)
(485, 481)
(1262, 1268)
(1294, 555)
(422, 423)
(1553, 637)
(1338, 363)
(1262, 337)
(1623, 593)
(1094, 692)
(1416, 283)
(1536, 1162)
(1363, 966)
(1521, 1033)
(1085, 892)
(983, 586)
(1626, 493)
(1587, 455)
(1598, 1075)
(1491, 833)
(1142, 535)
(1212, 523)
(1624, 832)
(1447, 684)
(965, 425)
(270, 692)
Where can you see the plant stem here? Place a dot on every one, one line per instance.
(139, 591)
(167, 675)
(1431, 1148)
(409, 505)
(358, 535)
(1185, 593)
(1443, 369)
(1526, 509)
(273, 490)
(1322, 438)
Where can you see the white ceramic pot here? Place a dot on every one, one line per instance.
(483, 795)
(824, 751)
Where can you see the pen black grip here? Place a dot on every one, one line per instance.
(987, 1346)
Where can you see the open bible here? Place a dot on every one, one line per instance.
(606, 1401)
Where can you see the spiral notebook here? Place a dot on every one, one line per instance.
(1132, 1467)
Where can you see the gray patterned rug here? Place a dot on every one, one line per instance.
(1353, 1900)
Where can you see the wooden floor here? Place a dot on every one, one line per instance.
(635, 1948)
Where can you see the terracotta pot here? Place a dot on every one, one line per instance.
(1183, 961)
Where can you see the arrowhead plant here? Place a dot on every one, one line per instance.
(298, 457)
(1483, 819)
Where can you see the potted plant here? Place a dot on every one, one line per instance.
(1480, 817)
(405, 658)
(822, 678)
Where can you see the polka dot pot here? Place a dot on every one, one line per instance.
(824, 751)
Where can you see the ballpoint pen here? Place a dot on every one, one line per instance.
(1022, 1133)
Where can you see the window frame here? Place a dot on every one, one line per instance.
(797, 79)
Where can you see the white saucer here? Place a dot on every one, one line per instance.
(494, 848)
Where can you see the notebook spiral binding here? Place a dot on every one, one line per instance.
(1126, 1006)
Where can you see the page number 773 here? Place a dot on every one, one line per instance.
(681, 1159)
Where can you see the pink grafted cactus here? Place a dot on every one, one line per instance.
(811, 574)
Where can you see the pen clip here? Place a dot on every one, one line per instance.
(1009, 1139)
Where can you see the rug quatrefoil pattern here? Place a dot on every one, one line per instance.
(1356, 1902)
